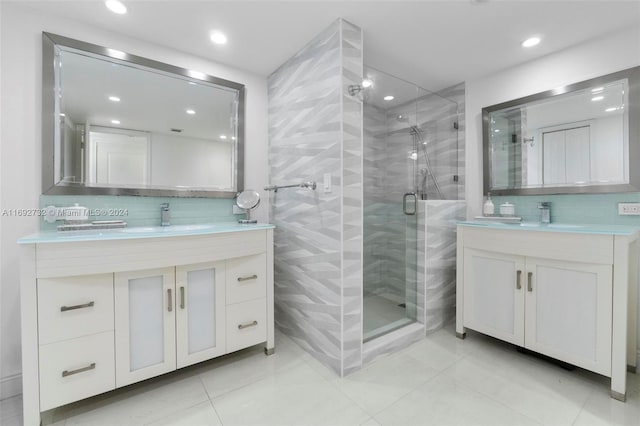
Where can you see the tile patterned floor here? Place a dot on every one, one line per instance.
(438, 381)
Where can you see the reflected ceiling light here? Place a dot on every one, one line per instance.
(115, 121)
(497, 130)
(62, 114)
(597, 89)
(367, 83)
(413, 155)
(116, 7)
(116, 54)
(530, 42)
(388, 98)
(114, 99)
(597, 98)
(191, 112)
(218, 37)
(223, 136)
(611, 109)
(197, 74)
(233, 138)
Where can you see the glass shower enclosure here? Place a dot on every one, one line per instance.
(410, 154)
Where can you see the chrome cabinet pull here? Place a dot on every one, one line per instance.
(91, 366)
(251, 324)
(169, 301)
(182, 297)
(529, 285)
(250, 277)
(71, 308)
(518, 277)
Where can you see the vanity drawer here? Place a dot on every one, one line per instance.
(71, 307)
(246, 324)
(76, 369)
(246, 278)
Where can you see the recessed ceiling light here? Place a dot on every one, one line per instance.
(388, 98)
(597, 98)
(218, 38)
(116, 7)
(190, 111)
(530, 42)
(367, 83)
(223, 136)
(115, 121)
(114, 99)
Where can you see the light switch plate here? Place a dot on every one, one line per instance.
(327, 182)
(629, 209)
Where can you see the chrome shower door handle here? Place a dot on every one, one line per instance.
(405, 209)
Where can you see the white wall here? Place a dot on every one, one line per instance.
(603, 56)
(20, 141)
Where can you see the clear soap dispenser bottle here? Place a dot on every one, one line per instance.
(488, 208)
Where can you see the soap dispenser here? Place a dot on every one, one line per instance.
(488, 208)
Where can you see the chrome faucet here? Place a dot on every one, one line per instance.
(165, 215)
(545, 211)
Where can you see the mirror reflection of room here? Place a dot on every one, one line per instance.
(142, 128)
(579, 138)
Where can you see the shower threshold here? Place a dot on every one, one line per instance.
(388, 328)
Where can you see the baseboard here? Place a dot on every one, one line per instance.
(10, 386)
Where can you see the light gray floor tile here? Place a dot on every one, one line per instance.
(294, 396)
(533, 387)
(443, 401)
(139, 404)
(10, 407)
(384, 381)
(202, 414)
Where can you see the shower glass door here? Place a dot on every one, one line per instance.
(402, 126)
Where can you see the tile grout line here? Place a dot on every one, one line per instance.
(209, 398)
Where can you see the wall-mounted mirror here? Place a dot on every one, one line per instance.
(119, 124)
(573, 139)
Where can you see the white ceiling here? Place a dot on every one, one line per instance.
(434, 44)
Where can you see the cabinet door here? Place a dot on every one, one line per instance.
(144, 324)
(200, 318)
(494, 294)
(568, 312)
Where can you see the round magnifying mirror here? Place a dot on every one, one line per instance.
(248, 200)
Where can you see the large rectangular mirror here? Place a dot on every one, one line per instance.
(119, 124)
(574, 139)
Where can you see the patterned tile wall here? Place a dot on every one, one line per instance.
(315, 129)
(352, 199)
(437, 259)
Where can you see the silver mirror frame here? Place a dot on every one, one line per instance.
(49, 186)
(633, 76)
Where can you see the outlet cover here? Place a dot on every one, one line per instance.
(629, 209)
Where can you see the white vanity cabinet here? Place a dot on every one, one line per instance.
(98, 315)
(567, 295)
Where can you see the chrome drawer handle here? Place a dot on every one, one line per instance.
(529, 285)
(71, 308)
(91, 366)
(169, 300)
(518, 276)
(250, 277)
(251, 324)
